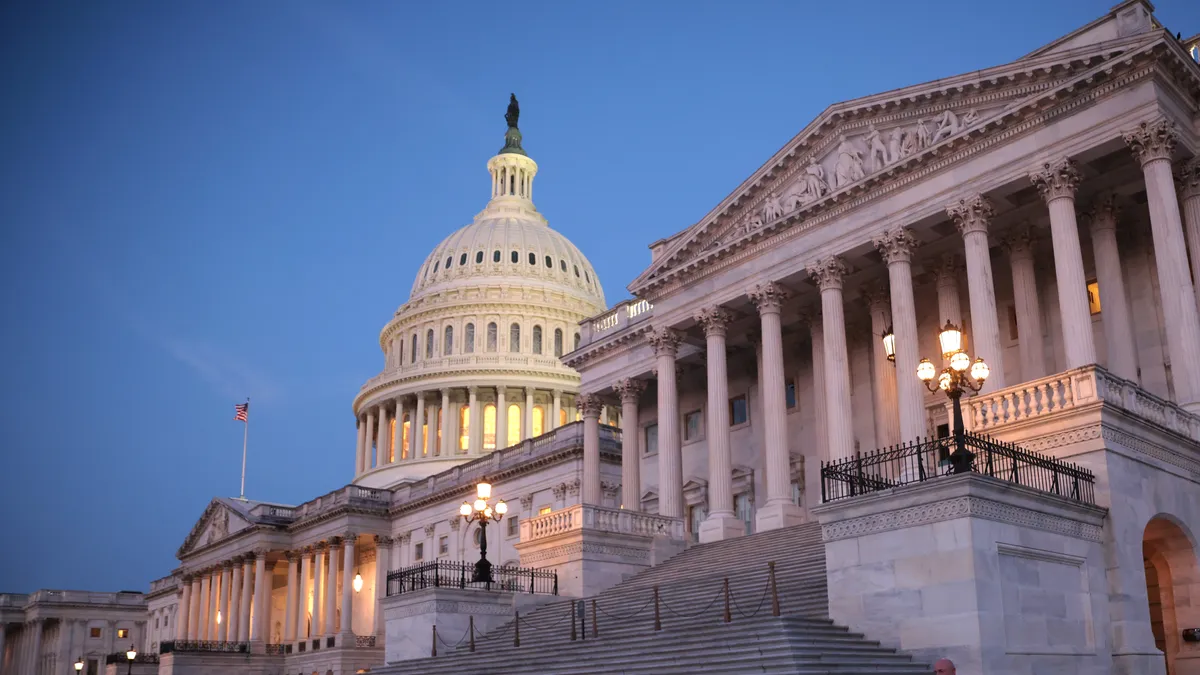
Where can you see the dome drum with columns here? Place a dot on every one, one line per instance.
(472, 360)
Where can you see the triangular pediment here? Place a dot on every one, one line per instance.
(855, 145)
(218, 522)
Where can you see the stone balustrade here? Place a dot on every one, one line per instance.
(443, 364)
(622, 315)
(86, 597)
(13, 599)
(1071, 390)
(600, 519)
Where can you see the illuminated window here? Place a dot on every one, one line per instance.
(545, 509)
(448, 341)
(469, 339)
(651, 439)
(413, 358)
(491, 336)
(562, 417)
(539, 420)
(489, 427)
(429, 344)
(405, 437)
(464, 425)
(437, 449)
(391, 441)
(424, 437)
(558, 342)
(514, 338)
(94, 632)
(514, 425)
(1093, 291)
(122, 633)
(537, 339)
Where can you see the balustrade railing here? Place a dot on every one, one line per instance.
(456, 574)
(122, 657)
(202, 646)
(601, 519)
(624, 314)
(364, 641)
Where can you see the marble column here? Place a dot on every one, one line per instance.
(474, 421)
(631, 457)
(896, 248)
(1188, 180)
(946, 273)
(556, 411)
(383, 551)
(35, 651)
(828, 275)
(369, 440)
(358, 448)
(1057, 181)
(816, 329)
(883, 372)
(972, 216)
(501, 419)
(779, 511)
(348, 544)
(1114, 303)
(110, 634)
(205, 606)
(381, 439)
(591, 493)
(262, 598)
(318, 589)
(196, 609)
(303, 624)
(293, 596)
(1152, 144)
(331, 597)
(396, 447)
(243, 632)
(181, 623)
(235, 601)
(223, 602)
(416, 443)
(670, 453)
(721, 522)
(1018, 243)
(527, 430)
(66, 635)
(446, 443)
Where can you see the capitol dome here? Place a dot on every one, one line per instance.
(472, 361)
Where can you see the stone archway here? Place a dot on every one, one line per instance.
(1173, 591)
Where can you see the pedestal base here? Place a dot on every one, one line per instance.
(777, 515)
(719, 526)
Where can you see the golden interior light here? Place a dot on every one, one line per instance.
(960, 361)
(502, 508)
(358, 583)
(131, 654)
(464, 510)
(483, 490)
(944, 381)
(926, 371)
(480, 505)
(951, 339)
(889, 344)
(980, 370)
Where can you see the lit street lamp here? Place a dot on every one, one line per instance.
(482, 512)
(131, 655)
(79, 664)
(954, 380)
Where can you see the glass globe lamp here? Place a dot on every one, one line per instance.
(950, 339)
(960, 361)
(926, 371)
(980, 370)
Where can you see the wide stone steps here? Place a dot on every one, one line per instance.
(619, 637)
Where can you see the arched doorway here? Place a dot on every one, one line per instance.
(1172, 575)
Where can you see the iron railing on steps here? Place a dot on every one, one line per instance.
(457, 574)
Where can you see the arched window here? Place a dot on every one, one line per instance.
(576, 271)
(449, 261)
(391, 442)
(577, 341)
(558, 342)
(489, 426)
(516, 257)
(537, 339)
(400, 355)
(514, 425)
(478, 257)
(539, 420)
(429, 344)
(469, 339)
(549, 262)
(587, 277)
(491, 336)
(496, 256)
(448, 341)
(562, 417)
(514, 338)
(562, 264)
(462, 260)
(464, 428)
(532, 258)
(413, 357)
(435, 266)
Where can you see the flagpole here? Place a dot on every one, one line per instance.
(245, 436)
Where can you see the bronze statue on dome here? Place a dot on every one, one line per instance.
(512, 138)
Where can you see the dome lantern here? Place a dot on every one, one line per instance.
(512, 170)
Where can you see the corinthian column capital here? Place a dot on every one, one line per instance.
(589, 404)
(1018, 242)
(1152, 140)
(665, 341)
(828, 272)
(1056, 180)
(768, 297)
(1104, 213)
(971, 214)
(630, 389)
(714, 320)
(896, 245)
(877, 295)
(1187, 177)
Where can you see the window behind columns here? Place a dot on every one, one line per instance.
(413, 358)
(739, 412)
(469, 339)
(405, 435)
(558, 342)
(464, 425)
(489, 426)
(491, 336)
(514, 338)
(562, 416)
(514, 424)
(539, 420)
(745, 510)
(651, 445)
(537, 339)
(791, 393)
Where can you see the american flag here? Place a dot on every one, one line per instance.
(242, 412)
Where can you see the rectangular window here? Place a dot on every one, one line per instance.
(444, 546)
(796, 491)
(739, 412)
(419, 552)
(790, 389)
(745, 511)
(513, 528)
(94, 632)
(544, 510)
(651, 439)
(696, 515)
(122, 633)
(93, 667)
(1093, 291)
(691, 426)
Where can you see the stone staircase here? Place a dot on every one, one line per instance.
(617, 634)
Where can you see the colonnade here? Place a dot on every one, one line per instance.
(217, 602)
(1057, 182)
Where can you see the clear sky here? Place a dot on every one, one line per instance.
(203, 201)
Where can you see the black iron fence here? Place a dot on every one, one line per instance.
(932, 457)
(456, 574)
(123, 657)
(202, 646)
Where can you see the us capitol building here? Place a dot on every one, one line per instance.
(937, 362)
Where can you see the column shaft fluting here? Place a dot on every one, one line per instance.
(1019, 244)
(670, 452)
(243, 634)
(381, 439)
(501, 419)
(527, 431)
(318, 604)
(182, 619)
(358, 448)
(432, 446)
(769, 298)
(447, 426)
(828, 274)
(556, 412)
(293, 598)
(303, 624)
(223, 604)
(591, 493)
(383, 557)
(369, 441)
(331, 596)
(816, 326)
(262, 602)
(474, 422)
(886, 413)
(720, 461)
(631, 456)
(235, 600)
(194, 618)
(416, 434)
(946, 276)
(205, 606)
(348, 545)
(973, 216)
(896, 247)
(396, 447)
(1189, 194)
(1114, 303)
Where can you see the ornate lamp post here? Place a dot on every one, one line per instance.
(481, 512)
(889, 344)
(130, 655)
(954, 380)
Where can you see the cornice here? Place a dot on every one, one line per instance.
(563, 379)
(1049, 101)
(624, 340)
(420, 318)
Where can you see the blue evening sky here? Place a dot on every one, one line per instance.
(206, 201)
